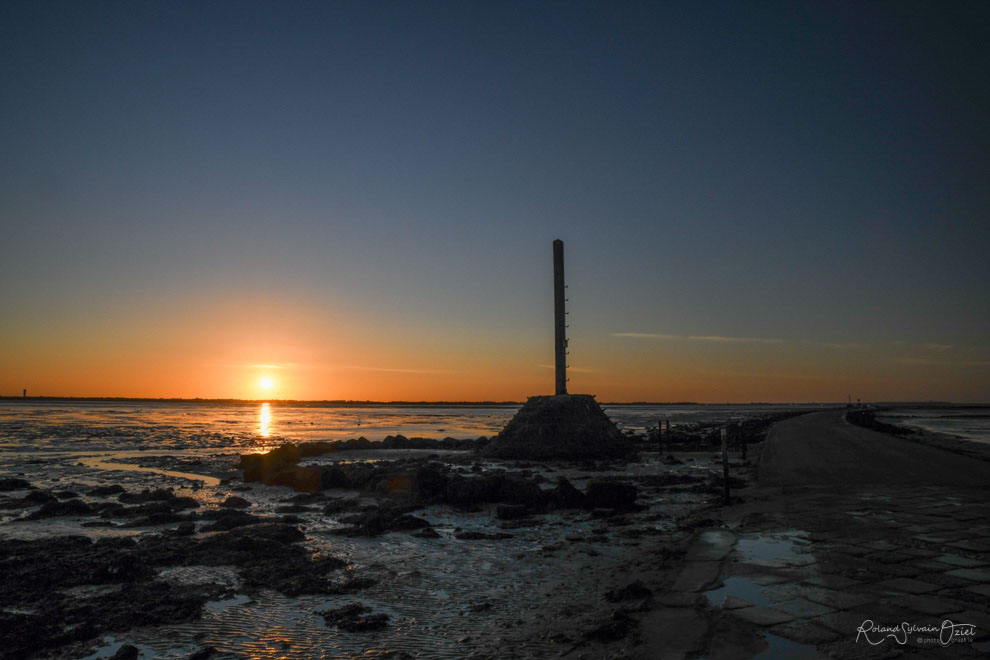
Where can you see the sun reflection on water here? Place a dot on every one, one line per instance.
(265, 420)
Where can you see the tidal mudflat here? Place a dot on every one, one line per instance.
(401, 548)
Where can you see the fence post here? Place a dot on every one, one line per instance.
(725, 464)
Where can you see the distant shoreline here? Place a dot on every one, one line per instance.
(448, 404)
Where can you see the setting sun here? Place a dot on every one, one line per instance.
(266, 383)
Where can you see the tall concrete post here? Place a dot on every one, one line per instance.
(559, 334)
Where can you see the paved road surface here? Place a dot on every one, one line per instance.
(822, 448)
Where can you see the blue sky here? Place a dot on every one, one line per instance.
(807, 176)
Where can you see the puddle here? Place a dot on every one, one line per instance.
(779, 648)
(784, 548)
(215, 606)
(739, 587)
(111, 645)
(100, 463)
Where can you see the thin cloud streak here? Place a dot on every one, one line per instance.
(396, 370)
(934, 362)
(719, 339)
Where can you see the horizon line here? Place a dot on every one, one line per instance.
(399, 402)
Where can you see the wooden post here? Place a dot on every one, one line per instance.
(725, 464)
(559, 333)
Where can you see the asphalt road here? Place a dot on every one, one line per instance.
(823, 448)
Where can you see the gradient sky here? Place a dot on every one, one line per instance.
(766, 201)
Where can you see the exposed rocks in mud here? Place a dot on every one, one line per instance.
(272, 467)
(616, 628)
(57, 508)
(280, 466)
(354, 618)
(610, 495)
(13, 483)
(126, 652)
(707, 435)
(632, 591)
(34, 498)
(235, 502)
(567, 426)
(565, 496)
(427, 533)
(511, 511)
(481, 536)
(351, 585)
(36, 574)
(228, 520)
(381, 520)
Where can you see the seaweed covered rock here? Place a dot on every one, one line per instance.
(268, 468)
(567, 426)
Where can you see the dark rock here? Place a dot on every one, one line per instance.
(183, 503)
(430, 482)
(38, 497)
(13, 483)
(204, 653)
(515, 490)
(341, 505)
(380, 521)
(620, 625)
(481, 536)
(354, 618)
(126, 652)
(570, 426)
(304, 498)
(156, 518)
(294, 508)
(511, 511)
(235, 502)
(111, 510)
(66, 495)
(355, 476)
(57, 508)
(565, 496)
(472, 491)
(186, 528)
(632, 591)
(232, 519)
(611, 494)
(351, 585)
(520, 523)
(427, 533)
(159, 495)
(266, 467)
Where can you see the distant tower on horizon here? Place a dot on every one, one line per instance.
(559, 327)
(25, 395)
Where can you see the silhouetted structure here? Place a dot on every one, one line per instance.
(563, 425)
(559, 332)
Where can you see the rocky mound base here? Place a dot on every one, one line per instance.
(565, 426)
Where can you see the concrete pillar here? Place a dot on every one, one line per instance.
(559, 333)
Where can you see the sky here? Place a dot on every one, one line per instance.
(759, 201)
